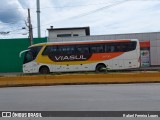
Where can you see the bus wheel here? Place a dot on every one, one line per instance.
(101, 68)
(44, 70)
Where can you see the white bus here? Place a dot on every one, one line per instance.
(82, 56)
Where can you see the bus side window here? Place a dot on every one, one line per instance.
(109, 48)
(70, 49)
(82, 49)
(97, 48)
(129, 46)
(49, 49)
(123, 48)
(120, 47)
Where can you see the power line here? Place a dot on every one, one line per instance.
(56, 6)
(88, 4)
(91, 12)
(88, 13)
(75, 6)
(70, 5)
(99, 9)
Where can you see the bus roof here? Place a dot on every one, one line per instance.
(83, 42)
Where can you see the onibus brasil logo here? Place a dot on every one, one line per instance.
(21, 114)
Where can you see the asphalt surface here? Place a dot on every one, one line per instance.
(106, 97)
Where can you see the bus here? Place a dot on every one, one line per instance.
(75, 56)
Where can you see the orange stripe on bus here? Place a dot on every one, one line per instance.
(105, 56)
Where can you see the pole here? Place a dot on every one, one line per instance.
(30, 28)
(38, 19)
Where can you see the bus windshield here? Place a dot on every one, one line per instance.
(31, 54)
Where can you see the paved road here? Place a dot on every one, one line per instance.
(108, 97)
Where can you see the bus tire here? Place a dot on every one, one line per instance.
(44, 70)
(101, 67)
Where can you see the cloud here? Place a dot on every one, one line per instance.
(10, 11)
(128, 17)
(131, 16)
(24, 3)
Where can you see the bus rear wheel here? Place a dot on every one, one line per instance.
(44, 70)
(101, 68)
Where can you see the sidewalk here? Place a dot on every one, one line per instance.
(157, 68)
(11, 74)
(150, 68)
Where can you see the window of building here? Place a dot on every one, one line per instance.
(64, 35)
(75, 35)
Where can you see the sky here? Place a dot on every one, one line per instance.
(102, 16)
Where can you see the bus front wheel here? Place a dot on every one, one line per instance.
(44, 70)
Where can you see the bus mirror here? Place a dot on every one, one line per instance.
(20, 54)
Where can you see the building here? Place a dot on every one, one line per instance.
(149, 42)
(68, 32)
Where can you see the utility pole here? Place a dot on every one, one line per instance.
(30, 28)
(38, 19)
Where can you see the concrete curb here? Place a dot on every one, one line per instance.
(78, 79)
